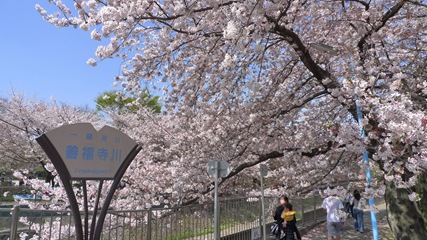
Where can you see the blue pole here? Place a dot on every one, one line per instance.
(368, 173)
(366, 162)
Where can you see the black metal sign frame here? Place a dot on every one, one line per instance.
(64, 174)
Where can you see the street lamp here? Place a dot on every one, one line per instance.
(332, 51)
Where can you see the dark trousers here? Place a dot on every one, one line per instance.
(292, 235)
(297, 233)
(349, 208)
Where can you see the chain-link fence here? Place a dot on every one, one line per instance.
(240, 218)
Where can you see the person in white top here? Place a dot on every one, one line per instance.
(332, 205)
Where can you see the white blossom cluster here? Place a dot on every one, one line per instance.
(243, 81)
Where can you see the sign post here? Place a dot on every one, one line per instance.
(79, 152)
(263, 172)
(217, 169)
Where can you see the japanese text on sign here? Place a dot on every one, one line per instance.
(91, 154)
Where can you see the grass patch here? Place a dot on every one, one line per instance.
(7, 198)
(184, 235)
(190, 233)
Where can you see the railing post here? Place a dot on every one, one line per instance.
(260, 217)
(302, 212)
(315, 209)
(14, 224)
(218, 222)
(149, 223)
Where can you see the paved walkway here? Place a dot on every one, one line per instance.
(319, 232)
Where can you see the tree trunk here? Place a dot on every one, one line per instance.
(407, 219)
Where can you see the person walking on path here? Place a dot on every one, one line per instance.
(358, 212)
(277, 215)
(333, 205)
(290, 223)
(349, 204)
(298, 235)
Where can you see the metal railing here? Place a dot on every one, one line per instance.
(240, 218)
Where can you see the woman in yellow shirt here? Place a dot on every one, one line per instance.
(289, 224)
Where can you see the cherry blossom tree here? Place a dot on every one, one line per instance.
(21, 122)
(245, 82)
(23, 119)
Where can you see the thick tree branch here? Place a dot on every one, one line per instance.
(299, 105)
(260, 159)
(365, 4)
(330, 170)
(293, 39)
(309, 189)
(200, 10)
(318, 150)
(418, 3)
(263, 158)
(386, 17)
(319, 73)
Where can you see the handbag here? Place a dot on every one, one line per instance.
(274, 229)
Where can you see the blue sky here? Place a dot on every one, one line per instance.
(40, 60)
